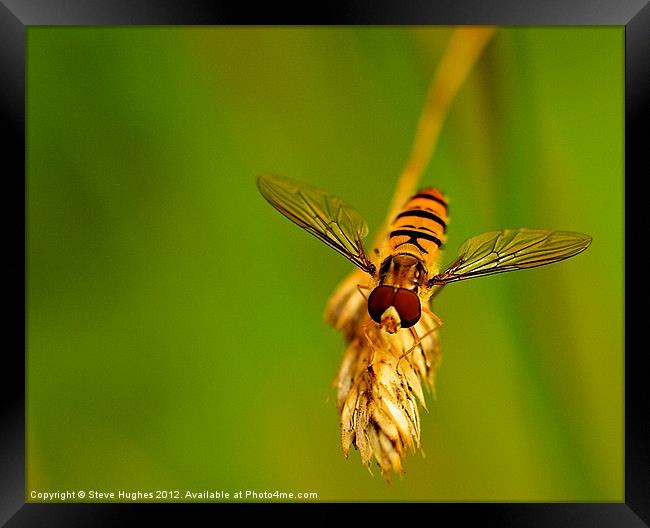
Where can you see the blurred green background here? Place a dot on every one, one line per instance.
(175, 334)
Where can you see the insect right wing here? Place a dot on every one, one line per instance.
(511, 250)
(323, 215)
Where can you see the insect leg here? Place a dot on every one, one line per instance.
(437, 319)
(361, 287)
(367, 336)
(418, 340)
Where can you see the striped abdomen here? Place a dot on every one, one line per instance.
(420, 228)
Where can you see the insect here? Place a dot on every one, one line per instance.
(393, 347)
(403, 274)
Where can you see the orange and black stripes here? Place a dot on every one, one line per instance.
(420, 228)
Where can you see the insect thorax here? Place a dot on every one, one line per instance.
(402, 270)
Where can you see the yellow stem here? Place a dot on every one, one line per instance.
(463, 50)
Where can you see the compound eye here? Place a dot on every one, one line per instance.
(379, 301)
(407, 304)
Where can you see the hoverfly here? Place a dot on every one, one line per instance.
(403, 273)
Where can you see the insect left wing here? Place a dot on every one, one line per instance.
(511, 250)
(323, 215)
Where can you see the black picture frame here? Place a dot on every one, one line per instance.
(17, 15)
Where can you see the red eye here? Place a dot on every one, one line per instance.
(407, 304)
(379, 301)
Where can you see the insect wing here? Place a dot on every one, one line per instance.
(323, 215)
(511, 250)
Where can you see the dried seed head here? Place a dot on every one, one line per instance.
(378, 387)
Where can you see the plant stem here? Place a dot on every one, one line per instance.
(462, 52)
